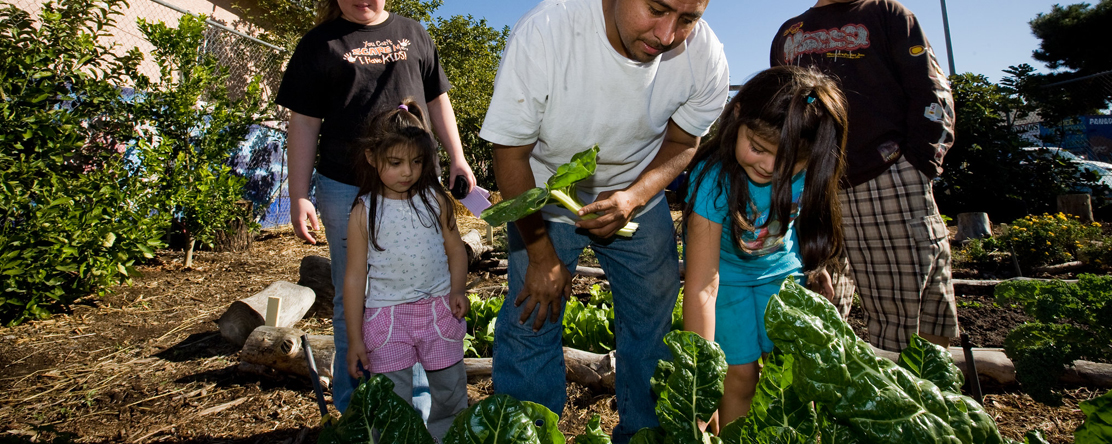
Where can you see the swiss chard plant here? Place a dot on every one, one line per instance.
(820, 384)
(1098, 420)
(560, 189)
(1070, 322)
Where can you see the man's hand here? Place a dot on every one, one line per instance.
(300, 210)
(547, 285)
(614, 210)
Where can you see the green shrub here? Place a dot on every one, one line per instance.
(1048, 239)
(73, 219)
(197, 127)
(1071, 322)
(981, 254)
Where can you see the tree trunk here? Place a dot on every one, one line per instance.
(189, 252)
(238, 235)
(245, 315)
(973, 226)
(1079, 205)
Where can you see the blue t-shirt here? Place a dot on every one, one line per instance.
(764, 254)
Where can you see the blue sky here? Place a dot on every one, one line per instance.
(987, 35)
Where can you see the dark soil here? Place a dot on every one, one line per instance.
(147, 364)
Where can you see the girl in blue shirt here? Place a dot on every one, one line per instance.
(762, 206)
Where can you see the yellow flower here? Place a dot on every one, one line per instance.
(1051, 233)
(1096, 224)
(1032, 250)
(1048, 242)
(1062, 216)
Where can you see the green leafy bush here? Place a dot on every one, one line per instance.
(197, 127)
(1048, 239)
(73, 219)
(982, 254)
(1071, 322)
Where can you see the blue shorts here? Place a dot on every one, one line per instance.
(739, 320)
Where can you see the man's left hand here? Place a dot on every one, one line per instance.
(614, 210)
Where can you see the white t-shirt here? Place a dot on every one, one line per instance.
(562, 85)
(413, 265)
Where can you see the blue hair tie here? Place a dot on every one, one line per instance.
(810, 99)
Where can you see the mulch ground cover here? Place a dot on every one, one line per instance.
(146, 362)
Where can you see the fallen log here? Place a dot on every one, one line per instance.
(244, 315)
(993, 364)
(280, 348)
(473, 243)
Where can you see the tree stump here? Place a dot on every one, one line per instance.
(473, 241)
(280, 348)
(238, 235)
(315, 272)
(973, 226)
(245, 315)
(1079, 205)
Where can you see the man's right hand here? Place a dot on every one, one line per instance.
(300, 210)
(547, 286)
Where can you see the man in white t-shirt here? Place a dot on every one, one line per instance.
(644, 80)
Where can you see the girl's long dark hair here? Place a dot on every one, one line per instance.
(805, 112)
(402, 128)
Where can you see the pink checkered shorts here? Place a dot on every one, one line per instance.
(421, 331)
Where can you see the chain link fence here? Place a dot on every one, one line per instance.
(230, 39)
(1088, 136)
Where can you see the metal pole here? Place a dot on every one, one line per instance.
(949, 47)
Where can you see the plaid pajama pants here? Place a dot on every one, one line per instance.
(899, 258)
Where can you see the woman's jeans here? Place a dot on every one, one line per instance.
(644, 277)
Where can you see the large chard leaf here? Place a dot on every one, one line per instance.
(1098, 420)
(693, 388)
(510, 210)
(881, 402)
(934, 363)
(501, 419)
(777, 414)
(374, 405)
(582, 166)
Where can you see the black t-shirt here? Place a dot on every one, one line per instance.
(346, 73)
(899, 99)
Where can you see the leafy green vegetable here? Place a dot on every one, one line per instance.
(692, 388)
(778, 414)
(593, 433)
(879, 401)
(1098, 420)
(560, 188)
(374, 405)
(501, 419)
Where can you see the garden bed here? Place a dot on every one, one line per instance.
(146, 363)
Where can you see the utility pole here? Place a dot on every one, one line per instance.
(949, 47)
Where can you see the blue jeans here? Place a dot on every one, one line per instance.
(334, 200)
(644, 277)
